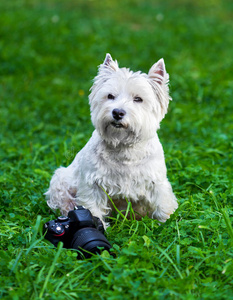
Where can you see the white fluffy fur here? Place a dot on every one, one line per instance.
(127, 161)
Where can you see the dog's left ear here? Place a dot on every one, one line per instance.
(158, 72)
(159, 79)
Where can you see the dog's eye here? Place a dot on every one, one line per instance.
(110, 96)
(137, 99)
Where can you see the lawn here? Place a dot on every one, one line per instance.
(49, 53)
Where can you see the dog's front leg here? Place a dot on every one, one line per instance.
(92, 197)
(164, 200)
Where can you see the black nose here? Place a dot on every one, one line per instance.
(118, 114)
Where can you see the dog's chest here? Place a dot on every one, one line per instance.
(130, 172)
(127, 178)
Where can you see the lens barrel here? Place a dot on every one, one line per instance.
(89, 239)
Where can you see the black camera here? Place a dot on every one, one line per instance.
(80, 230)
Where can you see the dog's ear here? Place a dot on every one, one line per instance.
(158, 72)
(109, 63)
(159, 78)
(108, 60)
(106, 69)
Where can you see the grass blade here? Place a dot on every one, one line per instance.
(227, 222)
(113, 204)
(59, 249)
(170, 260)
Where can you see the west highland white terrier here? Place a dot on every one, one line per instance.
(124, 158)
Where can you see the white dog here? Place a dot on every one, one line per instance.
(124, 158)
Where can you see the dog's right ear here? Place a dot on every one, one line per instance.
(108, 60)
(109, 64)
(106, 69)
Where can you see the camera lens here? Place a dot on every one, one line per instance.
(89, 239)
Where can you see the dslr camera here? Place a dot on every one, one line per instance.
(80, 231)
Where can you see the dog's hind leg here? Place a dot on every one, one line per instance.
(62, 191)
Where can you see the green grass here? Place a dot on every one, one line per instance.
(49, 52)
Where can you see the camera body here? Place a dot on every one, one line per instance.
(80, 230)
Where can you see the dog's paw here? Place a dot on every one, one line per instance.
(161, 215)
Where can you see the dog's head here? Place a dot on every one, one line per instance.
(127, 107)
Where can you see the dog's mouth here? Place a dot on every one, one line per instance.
(118, 125)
